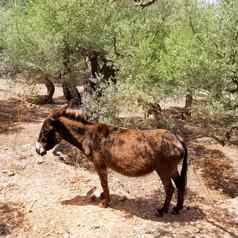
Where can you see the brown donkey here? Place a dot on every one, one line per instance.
(131, 152)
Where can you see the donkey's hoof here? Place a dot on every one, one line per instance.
(160, 212)
(176, 210)
(103, 204)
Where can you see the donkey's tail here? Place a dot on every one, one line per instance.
(184, 169)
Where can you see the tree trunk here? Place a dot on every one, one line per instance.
(71, 94)
(69, 90)
(45, 99)
(109, 72)
(66, 91)
(50, 89)
(188, 104)
(93, 58)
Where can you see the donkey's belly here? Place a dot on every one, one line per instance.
(130, 165)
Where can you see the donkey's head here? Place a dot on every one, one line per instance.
(48, 136)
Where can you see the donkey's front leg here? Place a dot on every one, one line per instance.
(102, 172)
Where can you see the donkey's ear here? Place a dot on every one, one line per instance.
(52, 119)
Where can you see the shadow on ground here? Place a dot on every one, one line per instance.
(140, 207)
(13, 111)
(11, 217)
(71, 155)
(216, 169)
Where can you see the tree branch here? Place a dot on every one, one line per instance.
(142, 4)
(194, 31)
(115, 46)
(201, 41)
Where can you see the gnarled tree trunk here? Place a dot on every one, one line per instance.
(50, 89)
(71, 92)
(108, 71)
(93, 58)
(188, 104)
(48, 98)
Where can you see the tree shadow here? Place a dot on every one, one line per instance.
(11, 217)
(222, 227)
(4, 230)
(13, 111)
(216, 169)
(71, 155)
(144, 208)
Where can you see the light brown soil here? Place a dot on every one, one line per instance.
(48, 198)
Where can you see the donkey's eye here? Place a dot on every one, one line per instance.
(48, 130)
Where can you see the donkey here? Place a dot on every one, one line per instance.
(131, 152)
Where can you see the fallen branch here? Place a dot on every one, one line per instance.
(31, 206)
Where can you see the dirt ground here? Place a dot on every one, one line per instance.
(43, 197)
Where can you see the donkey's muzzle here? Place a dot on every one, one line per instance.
(40, 149)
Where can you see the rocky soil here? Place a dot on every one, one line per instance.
(44, 197)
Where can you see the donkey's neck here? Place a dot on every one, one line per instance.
(64, 129)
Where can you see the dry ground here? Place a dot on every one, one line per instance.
(48, 198)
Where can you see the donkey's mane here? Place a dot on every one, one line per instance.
(76, 116)
(71, 114)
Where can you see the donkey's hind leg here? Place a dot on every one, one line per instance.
(169, 189)
(180, 200)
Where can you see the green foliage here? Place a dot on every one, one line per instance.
(216, 32)
(141, 38)
(36, 33)
(161, 50)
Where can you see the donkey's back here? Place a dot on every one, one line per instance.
(138, 152)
